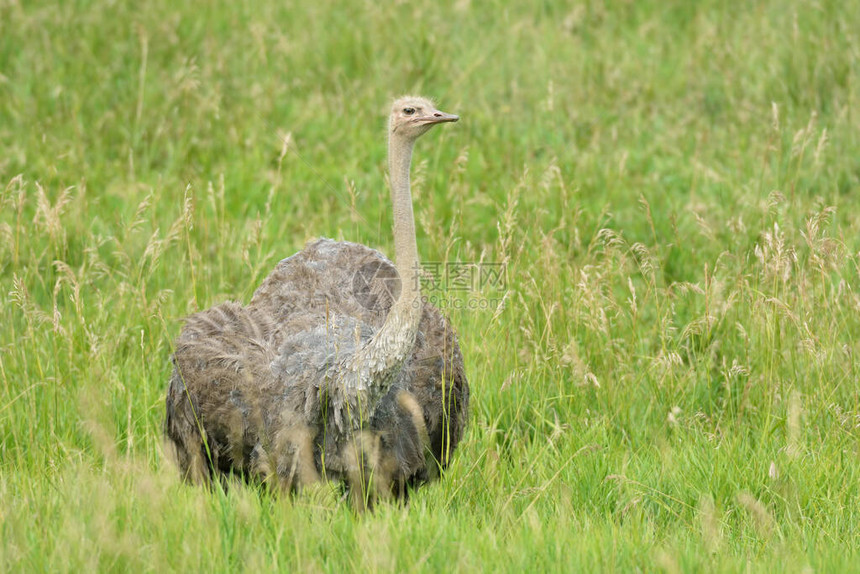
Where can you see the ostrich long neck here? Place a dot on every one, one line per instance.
(366, 377)
(405, 247)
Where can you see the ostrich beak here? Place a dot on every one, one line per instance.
(437, 117)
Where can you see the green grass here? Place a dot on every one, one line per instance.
(672, 383)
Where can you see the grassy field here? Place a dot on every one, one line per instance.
(670, 382)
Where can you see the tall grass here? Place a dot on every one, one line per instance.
(671, 379)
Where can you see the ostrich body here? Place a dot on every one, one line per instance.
(328, 372)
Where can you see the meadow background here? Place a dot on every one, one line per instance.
(671, 383)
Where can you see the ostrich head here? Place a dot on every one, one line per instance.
(412, 116)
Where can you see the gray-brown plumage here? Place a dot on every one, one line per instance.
(335, 369)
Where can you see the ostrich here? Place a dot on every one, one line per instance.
(336, 369)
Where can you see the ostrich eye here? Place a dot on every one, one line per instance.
(409, 111)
